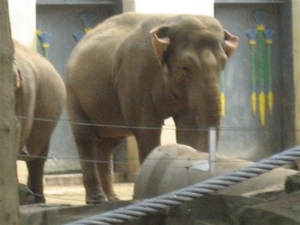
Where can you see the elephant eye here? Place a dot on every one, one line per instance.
(185, 71)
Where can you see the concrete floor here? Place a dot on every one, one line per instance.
(72, 194)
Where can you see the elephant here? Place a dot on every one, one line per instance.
(130, 73)
(40, 96)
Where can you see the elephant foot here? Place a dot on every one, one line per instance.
(26, 196)
(40, 199)
(96, 200)
(112, 197)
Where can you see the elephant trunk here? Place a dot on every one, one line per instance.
(212, 104)
(207, 108)
(204, 101)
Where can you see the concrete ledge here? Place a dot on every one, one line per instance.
(208, 210)
(41, 214)
(63, 179)
(76, 179)
(283, 210)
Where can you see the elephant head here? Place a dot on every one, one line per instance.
(192, 53)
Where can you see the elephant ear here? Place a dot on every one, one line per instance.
(160, 42)
(230, 43)
(17, 76)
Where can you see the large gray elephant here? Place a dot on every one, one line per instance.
(133, 71)
(40, 96)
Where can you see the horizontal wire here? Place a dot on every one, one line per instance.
(165, 127)
(197, 161)
(129, 159)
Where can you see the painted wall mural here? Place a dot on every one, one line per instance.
(43, 40)
(260, 43)
(223, 96)
(89, 21)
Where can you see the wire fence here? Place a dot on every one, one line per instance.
(165, 126)
(125, 162)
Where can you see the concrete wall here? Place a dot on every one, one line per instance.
(243, 135)
(23, 20)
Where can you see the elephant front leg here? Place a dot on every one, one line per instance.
(147, 140)
(188, 132)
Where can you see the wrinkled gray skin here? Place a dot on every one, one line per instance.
(40, 93)
(135, 70)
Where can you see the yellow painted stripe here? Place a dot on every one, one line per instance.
(223, 104)
(262, 107)
(87, 29)
(271, 102)
(253, 102)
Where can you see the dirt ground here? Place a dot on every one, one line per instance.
(73, 195)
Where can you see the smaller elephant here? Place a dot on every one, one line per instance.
(40, 95)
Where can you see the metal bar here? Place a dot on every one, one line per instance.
(212, 135)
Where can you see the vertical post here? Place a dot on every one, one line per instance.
(9, 199)
(212, 145)
(296, 55)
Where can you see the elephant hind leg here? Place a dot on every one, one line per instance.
(85, 138)
(103, 151)
(35, 177)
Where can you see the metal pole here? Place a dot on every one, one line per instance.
(212, 146)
